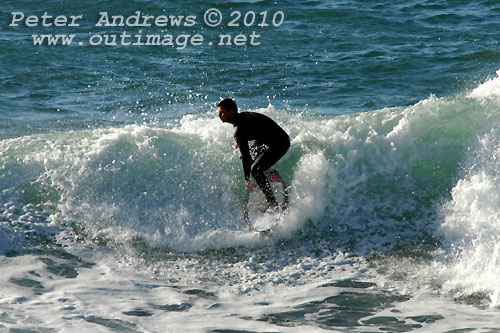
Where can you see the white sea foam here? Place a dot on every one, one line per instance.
(166, 201)
(472, 223)
(489, 89)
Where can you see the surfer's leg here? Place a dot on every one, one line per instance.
(263, 162)
(257, 149)
(263, 183)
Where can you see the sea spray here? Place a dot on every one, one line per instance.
(471, 224)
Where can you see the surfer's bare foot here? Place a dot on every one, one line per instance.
(270, 205)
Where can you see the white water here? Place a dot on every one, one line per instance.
(471, 224)
(164, 200)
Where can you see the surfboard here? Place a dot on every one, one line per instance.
(256, 201)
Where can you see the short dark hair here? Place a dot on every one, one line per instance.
(228, 104)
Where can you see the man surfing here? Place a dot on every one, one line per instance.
(271, 143)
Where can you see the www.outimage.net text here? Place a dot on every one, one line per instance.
(211, 18)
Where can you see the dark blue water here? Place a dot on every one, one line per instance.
(326, 58)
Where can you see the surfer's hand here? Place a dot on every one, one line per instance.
(249, 185)
(236, 146)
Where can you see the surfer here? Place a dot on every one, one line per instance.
(271, 143)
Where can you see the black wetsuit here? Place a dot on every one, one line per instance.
(271, 143)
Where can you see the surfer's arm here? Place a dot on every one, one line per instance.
(246, 159)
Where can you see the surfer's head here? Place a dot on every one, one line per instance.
(227, 109)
